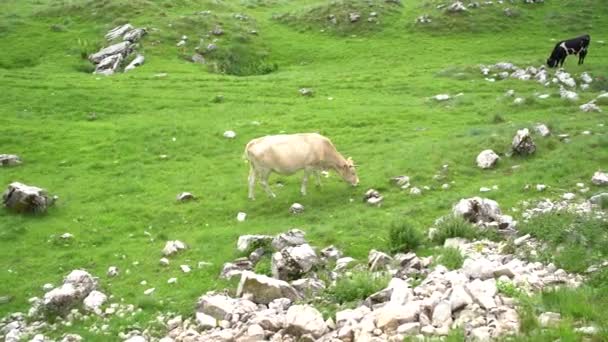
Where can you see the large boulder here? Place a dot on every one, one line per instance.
(122, 48)
(293, 262)
(522, 142)
(293, 237)
(118, 31)
(26, 199)
(263, 289)
(303, 320)
(487, 159)
(109, 65)
(76, 286)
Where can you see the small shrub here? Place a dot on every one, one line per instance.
(498, 119)
(508, 289)
(573, 242)
(404, 237)
(450, 257)
(453, 226)
(58, 28)
(264, 266)
(358, 286)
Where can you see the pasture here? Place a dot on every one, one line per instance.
(117, 172)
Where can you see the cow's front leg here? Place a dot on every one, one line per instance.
(264, 179)
(318, 177)
(305, 182)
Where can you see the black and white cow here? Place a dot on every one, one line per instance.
(575, 46)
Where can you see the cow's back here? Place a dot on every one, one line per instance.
(288, 153)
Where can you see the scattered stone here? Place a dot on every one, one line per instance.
(542, 129)
(402, 181)
(442, 97)
(149, 291)
(600, 178)
(568, 94)
(137, 61)
(135, 35)
(164, 261)
(590, 107)
(568, 196)
(296, 208)
(523, 143)
(9, 160)
(354, 17)
(306, 92)
(456, 7)
(372, 197)
(415, 191)
(241, 216)
(185, 268)
(487, 159)
(112, 271)
(172, 247)
(118, 31)
(172, 281)
(185, 196)
(26, 199)
(94, 301)
(229, 134)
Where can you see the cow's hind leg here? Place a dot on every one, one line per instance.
(264, 179)
(251, 180)
(305, 181)
(318, 177)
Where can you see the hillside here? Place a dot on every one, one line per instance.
(118, 149)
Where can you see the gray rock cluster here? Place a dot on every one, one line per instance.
(110, 59)
(27, 199)
(467, 298)
(560, 78)
(484, 213)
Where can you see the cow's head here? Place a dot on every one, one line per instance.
(551, 62)
(348, 172)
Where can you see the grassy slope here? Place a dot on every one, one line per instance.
(113, 187)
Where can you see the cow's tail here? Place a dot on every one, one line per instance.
(245, 154)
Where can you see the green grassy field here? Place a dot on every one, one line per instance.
(372, 83)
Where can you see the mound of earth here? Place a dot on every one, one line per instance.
(343, 17)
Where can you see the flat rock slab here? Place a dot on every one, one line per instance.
(24, 198)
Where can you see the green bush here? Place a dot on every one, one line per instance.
(449, 257)
(574, 242)
(453, 226)
(404, 237)
(358, 286)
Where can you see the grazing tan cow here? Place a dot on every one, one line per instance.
(288, 153)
